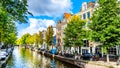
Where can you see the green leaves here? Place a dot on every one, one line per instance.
(16, 9)
(49, 35)
(11, 11)
(40, 38)
(74, 32)
(105, 23)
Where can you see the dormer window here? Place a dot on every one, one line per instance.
(84, 6)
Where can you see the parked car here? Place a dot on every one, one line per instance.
(89, 56)
(86, 56)
(3, 55)
(68, 55)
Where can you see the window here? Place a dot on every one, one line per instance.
(84, 6)
(59, 29)
(112, 50)
(84, 16)
(86, 43)
(88, 14)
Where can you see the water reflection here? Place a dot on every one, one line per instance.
(24, 58)
(52, 62)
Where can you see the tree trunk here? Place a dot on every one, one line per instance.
(107, 57)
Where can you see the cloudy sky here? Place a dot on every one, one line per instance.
(46, 13)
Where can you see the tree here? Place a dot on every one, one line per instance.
(27, 39)
(74, 32)
(24, 39)
(19, 41)
(49, 35)
(16, 9)
(11, 11)
(40, 38)
(8, 33)
(105, 25)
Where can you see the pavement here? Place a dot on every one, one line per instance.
(97, 64)
(103, 64)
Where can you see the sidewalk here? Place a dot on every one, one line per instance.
(86, 64)
(105, 64)
(95, 64)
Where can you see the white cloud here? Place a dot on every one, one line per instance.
(53, 8)
(36, 25)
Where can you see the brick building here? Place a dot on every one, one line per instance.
(60, 30)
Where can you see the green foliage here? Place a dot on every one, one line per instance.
(11, 11)
(105, 25)
(7, 31)
(16, 9)
(40, 38)
(24, 39)
(31, 39)
(49, 35)
(74, 32)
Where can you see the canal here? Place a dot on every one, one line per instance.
(25, 58)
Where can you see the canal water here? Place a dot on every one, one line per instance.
(25, 58)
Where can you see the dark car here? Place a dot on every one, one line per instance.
(87, 56)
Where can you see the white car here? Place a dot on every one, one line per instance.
(3, 55)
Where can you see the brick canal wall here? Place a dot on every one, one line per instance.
(81, 63)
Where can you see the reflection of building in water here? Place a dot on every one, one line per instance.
(53, 64)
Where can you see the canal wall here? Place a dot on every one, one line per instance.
(71, 61)
(78, 63)
(3, 62)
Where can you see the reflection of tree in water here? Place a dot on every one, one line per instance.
(22, 52)
(26, 55)
(30, 59)
(37, 61)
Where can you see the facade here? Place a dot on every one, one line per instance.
(44, 46)
(58, 33)
(85, 13)
(60, 27)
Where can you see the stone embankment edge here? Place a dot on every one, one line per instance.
(3, 63)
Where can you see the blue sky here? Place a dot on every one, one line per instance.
(46, 13)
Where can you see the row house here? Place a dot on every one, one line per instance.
(60, 27)
(44, 45)
(85, 13)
